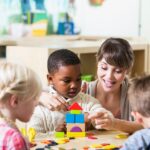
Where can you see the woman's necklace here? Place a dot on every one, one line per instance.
(8, 121)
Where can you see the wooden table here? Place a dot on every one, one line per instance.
(79, 143)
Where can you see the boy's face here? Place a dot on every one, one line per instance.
(67, 80)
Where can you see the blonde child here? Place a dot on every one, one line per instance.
(19, 92)
(64, 79)
(139, 98)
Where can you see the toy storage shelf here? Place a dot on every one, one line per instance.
(34, 53)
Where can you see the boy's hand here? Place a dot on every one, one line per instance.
(84, 86)
(61, 128)
(53, 101)
(102, 120)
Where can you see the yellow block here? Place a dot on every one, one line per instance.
(108, 147)
(121, 136)
(96, 146)
(76, 134)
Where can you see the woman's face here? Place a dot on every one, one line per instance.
(110, 77)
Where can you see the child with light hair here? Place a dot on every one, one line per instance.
(20, 88)
(139, 98)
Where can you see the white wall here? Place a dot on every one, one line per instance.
(113, 17)
(145, 18)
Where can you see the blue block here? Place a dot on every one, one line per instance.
(70, 118)
(79, 118)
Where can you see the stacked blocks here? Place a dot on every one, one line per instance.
(75, 121)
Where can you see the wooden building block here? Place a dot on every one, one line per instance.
(70, 118)
(76, 134)
(75, 106)
(79, 118)
(75, 111)
(71, 126)
(59, 134)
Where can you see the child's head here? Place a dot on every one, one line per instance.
(117, 52)
(64, 72)
(19, 89)
(139, 98)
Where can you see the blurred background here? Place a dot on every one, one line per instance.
(71, 17)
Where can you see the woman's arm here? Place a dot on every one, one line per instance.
(126, 126)
(104, 121)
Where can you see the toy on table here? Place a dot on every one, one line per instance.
(74, 121)
(30, 133)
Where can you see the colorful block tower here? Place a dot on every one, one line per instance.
(75, 121)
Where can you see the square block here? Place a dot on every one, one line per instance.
(79, 118)
(70, 118)
(59, 134)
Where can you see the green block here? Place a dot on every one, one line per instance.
(87, 78)
(59, 134)
(75, 111)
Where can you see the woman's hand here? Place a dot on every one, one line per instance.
(102, 120)
(53, 101)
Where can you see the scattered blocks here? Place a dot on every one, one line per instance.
(96, 146)
(62, 140)
(121, 136)
(92, 137)
(108, 147)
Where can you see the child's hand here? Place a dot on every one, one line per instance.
(102, 120)
(84, 86)
(53, 102)
(61, 128)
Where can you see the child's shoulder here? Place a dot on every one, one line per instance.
(10, 133)
(142, 135)
(144, 132)
(87, 98)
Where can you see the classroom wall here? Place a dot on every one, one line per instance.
(145, 18)
(113, 17)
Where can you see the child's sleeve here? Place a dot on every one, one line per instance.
(41, 120)
(91, 104)
(15, 141)
(139, 140)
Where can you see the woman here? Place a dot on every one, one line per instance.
(114, 61)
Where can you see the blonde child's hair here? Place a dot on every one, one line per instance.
(18, 80)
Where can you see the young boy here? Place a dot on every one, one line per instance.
(64, 78)
(19, 89)
(139, 97)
